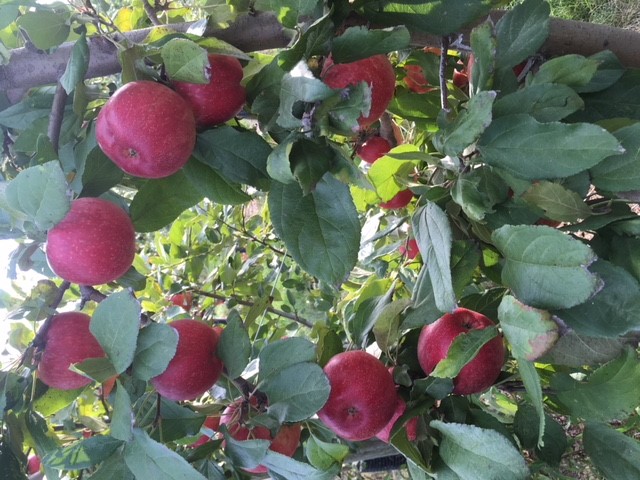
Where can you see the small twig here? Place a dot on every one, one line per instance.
(151, 13)
(444, 93)
(247, 303)
(57, 115)
(252, 237)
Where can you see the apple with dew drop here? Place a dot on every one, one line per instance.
(236, 418)
(219, 100)
(376, 71)
(147, 129)
(436, 338)
(93, 244)
(363, 395)
(67, 341)
(195, 367)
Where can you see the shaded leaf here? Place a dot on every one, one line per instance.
(615, 454)
(156, 346)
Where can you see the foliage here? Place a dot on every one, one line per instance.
(524, 187)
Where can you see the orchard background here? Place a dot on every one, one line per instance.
(524, 183)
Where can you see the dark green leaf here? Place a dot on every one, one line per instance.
(532, 384)
(98, 174)
(615, 454)
(77, 65)
(570, 70)
(212, 185)
(609, 72)
(158, 202)
(478, 191)
(575, 350)
(531, 150)
(45, 29)
(112, 468)
(324, 455)
(357, 43)
(549, 102)
(185, 61)
(484, 46)
(283, 467)
(234, 348)
(463, 349)
(122, 417)
(554, 440)
(284, 353)
(247, 453)
(321, 230)
(115, 324)
(156, 346)
(98, 369)
(83, 454)
(557, 202)
(316, 40)
(621, 173)
(424, 309)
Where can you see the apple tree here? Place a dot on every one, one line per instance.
(272, 235)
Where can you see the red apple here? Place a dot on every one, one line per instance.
(436, 338)
(373, 148)
(236, 417)
(195, 366)
(67, 340)
(147, 129)
(33, 464)
(376, 71)
(184, 300)
(411, 250)
(411, 426)
(415, 79)
(219, 100)
(399, 200)
(93, 244)
(363, 396)
(212, 423)
(461, 79)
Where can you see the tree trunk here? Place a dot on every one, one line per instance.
(28, 68)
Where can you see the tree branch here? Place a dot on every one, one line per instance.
(261, 31)
(151, 13)
(247, 303)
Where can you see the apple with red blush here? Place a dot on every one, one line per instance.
(399, 200)
(373, 148)
(410, 250)
(363, 396)
(436, 339)
(213, 424)
(195, 367)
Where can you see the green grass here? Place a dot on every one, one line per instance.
(617, 13)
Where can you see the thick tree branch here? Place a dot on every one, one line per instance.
(261, 31)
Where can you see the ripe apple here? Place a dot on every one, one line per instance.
(67, 340)
(212, 423)
(184, 300)
(415, 79)
(363, 396)
(33, 464)
(411, 251)
(219, 100)
(461, 79)
(236, 417)
(195, 367)
(373, 148)
(93, 244)
(147, 129)
(376, 71)
(411, 426)
(436, 338)
(399, 200)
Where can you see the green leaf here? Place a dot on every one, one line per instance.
(245, 453)
(316, 40)
(40, 193)
(609, 72)
(530, 332)
(156, 346)
(521, 32)
(77, 65)
(239, 156)
(615, 454)
(549, 102)
(467, 127)
(557, 202)
(396, 164)
(357, 43)
(52, 401)
(147, 458)
(159, 202)
(532, 384)
(96, 174)
(433, 234)
(324, 455)
(621, 173)
(478, 191)
(82, 454)
(122, 417)
(288, 10)
(113, 467)
(185, 61)
(387, 327)
(545, 268)
(283, 467)
(437, 17)
(608, 393)
(234, 348)
(212, 185)
(115, 324)
(484, 45)
(571, 70)
(284, 353)
(477, 454)
(296, 392)
(299, 85)
(613, 311)
(424, 309)
(554, 441)
(10, 466)
(45, 29)
(575, 350)
(310, 160)
(463, 349)
(321, 230)
(177, 421)
(531, 150)
(98, 369)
